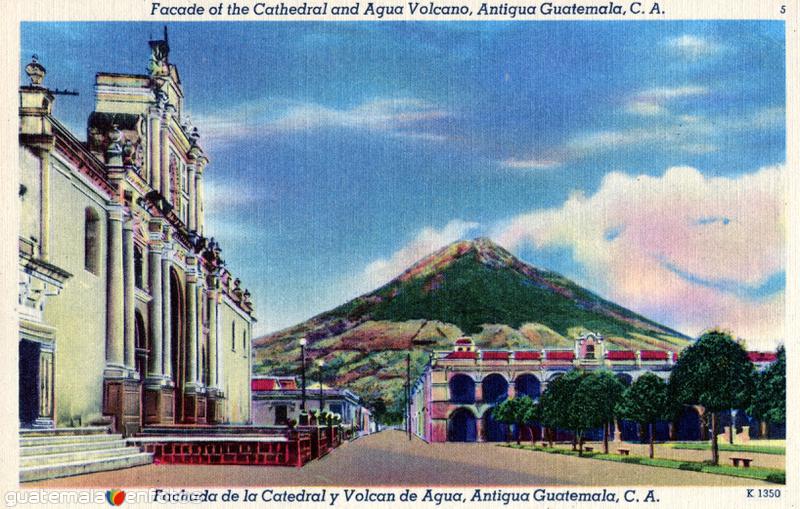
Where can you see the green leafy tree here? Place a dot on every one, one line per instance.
(646, 401)
(594, 403)
(555, 402)
(532, 415)
(714, 372)
(768, 403)
(515, 411)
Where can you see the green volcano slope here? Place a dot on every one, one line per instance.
(469, 287)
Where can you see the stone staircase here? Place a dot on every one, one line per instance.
(62, 452)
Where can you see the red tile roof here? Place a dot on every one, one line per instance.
(263, 384)
(488, 356)
(621, 355)
(654, 355)
(559, 355)
(463, 341)
(527, 356)
(462, 355)
(762, 356)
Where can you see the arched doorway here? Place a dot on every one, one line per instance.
(494, 431)
(177, 340)
(462, 389)
(495, 388)
(461, 426)
(689, 424)
(527, 385)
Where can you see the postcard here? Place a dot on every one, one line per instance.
(400, 254)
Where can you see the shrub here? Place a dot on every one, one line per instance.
(694, 467)
(777, 477)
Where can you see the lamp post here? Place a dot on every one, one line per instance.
(303, 342)
(320, 364)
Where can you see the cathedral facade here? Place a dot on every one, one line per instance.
(127, 312)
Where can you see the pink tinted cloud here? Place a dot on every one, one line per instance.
(712, 228)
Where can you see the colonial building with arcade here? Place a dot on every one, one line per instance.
(454, 397)
(127, 312)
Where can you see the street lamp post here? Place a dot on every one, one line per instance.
(303, 342)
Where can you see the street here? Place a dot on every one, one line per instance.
(389, 459)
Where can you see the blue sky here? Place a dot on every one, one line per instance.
(342, 152)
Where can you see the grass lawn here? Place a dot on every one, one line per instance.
(765, 474)
(757, 447)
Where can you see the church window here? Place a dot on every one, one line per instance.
(233, 336)
(91, 241)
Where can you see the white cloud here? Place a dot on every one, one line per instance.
(426, 241)
(693, 47)
(408, 117)
(220, 197)
(662, 233)
(653, 101)
(531, 164)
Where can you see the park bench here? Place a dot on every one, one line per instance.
(745, 461)
(624, 452)
(588, 448)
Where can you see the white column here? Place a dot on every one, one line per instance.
(114, 292)
(191, 327)
(128, 293)
(166, 313)
(164, 155)
(192, 192)
(156, 365)
(154, 149)
(212, 339)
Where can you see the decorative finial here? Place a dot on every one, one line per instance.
(35, 71)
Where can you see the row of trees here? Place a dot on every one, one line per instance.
(714, 372)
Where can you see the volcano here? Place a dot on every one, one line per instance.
(469, 287)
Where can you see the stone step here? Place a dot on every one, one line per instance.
(52, 432)
(61, 439)
(93, 445)
(76, 456)
(40, 472)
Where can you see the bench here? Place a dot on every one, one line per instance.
(745, 461)
(624, 452)
(588, 448)
(544, 444)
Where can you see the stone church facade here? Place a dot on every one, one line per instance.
(127, 312)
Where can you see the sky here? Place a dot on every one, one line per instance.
(643, 160)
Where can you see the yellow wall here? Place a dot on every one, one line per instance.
(236, 370)
(30, 202)
(79, 312)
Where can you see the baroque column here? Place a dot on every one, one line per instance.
(114, 299)
(166, 313)
(154, 147)
(164, 154)
(156, 364)
(192, 192)
(128, 293)
(213, 345)
(191, 327)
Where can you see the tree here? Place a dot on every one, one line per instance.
(516, 411)
(593, 405)
(646, 401)
(714, 372)
(555, 402)
(768, 403)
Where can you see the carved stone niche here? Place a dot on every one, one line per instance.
(105, 130)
